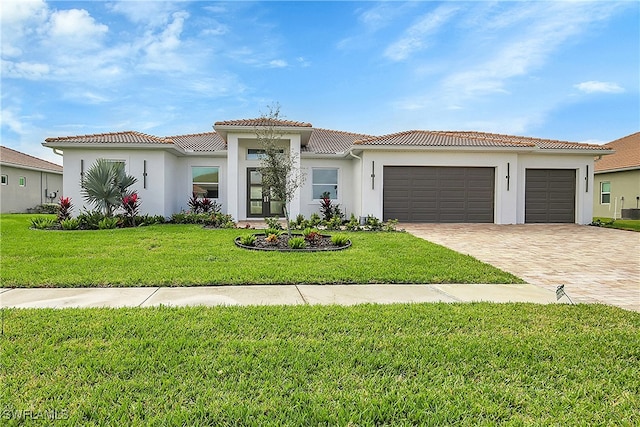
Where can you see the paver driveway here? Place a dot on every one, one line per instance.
(595, 264)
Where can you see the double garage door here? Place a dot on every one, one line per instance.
(438, 194)
(466, 194)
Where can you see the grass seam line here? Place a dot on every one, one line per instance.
(147, 298)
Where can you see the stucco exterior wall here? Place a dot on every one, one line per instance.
(155, 199)
(374, 161)
(38, 187)
(168, 181)
(346, 199)
(509, 205)
(625, 189)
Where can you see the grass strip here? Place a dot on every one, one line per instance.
(420, 364)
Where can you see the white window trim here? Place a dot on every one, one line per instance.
(191, 181)
(22, 181)
(5, 179)
(337, 182)
(603, 193)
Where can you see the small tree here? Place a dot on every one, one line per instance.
(106, 184)
(279, 171)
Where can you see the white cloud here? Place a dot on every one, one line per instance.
(19, 19)
(24, 70)
(160, 49)
(278, 63)
(537, 30)
(599, 87)
(416, 37)
(152, 13)
(11, 121)
(303, 62)
(76, 28)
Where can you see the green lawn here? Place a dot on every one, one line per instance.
(421, 364)
(179, 255)
(621, 224)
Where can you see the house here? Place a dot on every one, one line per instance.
(617, 178)
(413, 176)
(27, 181)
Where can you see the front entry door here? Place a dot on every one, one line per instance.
(259, 201)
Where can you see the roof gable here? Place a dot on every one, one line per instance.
(16, 158)
(626, 156)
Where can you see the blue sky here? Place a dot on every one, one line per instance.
(558, 69)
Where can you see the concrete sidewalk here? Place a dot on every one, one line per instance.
(270, 295)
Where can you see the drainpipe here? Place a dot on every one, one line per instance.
(57, 151)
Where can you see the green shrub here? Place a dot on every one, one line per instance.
(311, 235)
(248, 240)
(373, 223)
(314, 220)
(108, 223)
(353, 224)
(273, 223)
(339, 240)
(390, 225)
(299, 223)
(335, 223)
(212, 219)
(276, 231)
(70, 224)
(90, 220)
(43, 223)
(47, 208)
(297, 243)
(150, 220)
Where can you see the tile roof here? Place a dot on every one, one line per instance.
(126, 137)
(262, 121)
(627, 154)
(13, 157)
(324, 141)
(470, 139)
(208, 141)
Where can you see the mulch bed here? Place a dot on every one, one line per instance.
(321, 243)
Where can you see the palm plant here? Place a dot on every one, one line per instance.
(105, 185)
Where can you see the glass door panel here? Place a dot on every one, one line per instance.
(259, 202)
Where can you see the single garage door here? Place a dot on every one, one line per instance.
(550, 195)
(438, 194)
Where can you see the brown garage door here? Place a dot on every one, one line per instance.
(550, 195)
(438, 194)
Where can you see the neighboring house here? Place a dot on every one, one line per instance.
(414, 176)
(617, 178)
(27, 181)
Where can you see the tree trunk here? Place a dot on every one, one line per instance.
(286, 217)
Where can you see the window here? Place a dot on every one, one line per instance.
(22, 181)
(257, 153)
(5, 179)
(205, 181)
(325, 181)
(605, 193)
